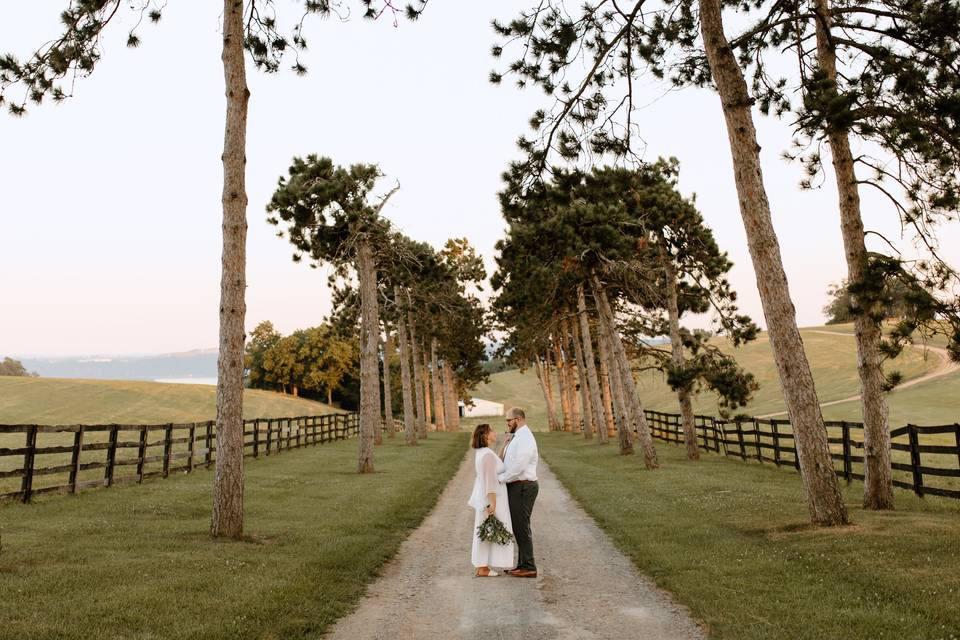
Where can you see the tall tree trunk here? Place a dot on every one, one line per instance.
(607, 398)
(562, 378)
(406, 382)
(626, 377)
(824, 500)
(571, 378)
(676, 353)
(455, 393)
(227, 518)
(417, 375)
(370, 421)
(586, 404)
(438, 410)
(878, 480)
(425, 376)
(450, 411)
(591, 367)
(623, 419)
(388, 349)
(552, 421)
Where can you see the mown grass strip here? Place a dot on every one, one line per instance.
(138, 562)
(730, 540)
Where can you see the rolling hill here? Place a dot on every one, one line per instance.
(832, 354)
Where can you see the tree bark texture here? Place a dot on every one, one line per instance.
(824, 500)
(593, 381)
(438, 409)
(227, 517)
(370, 420)
(406, 379)
(878, 481)
(552, 420)
(607, 398)
(631, 396)
(425, 376)
(624, 421)
(388, 348)
(562, 378)
(571, 378)
(451, 412)
(586, 398)
(417, 376)
(676, 355)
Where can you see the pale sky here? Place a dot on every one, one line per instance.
(110, 202)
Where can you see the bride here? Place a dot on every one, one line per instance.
(489, 497)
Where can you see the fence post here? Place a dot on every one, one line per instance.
(847, 463)
(915, 459)
(299, 425)
(209, 436)
(111, 455)
(75, 458)
(756, 439)
(193, 434)
(743, 450)
(26, 484)
(141, 453)
(776, 441)
(256, 438)
(956, 430)
(167, 446)
(717, 436)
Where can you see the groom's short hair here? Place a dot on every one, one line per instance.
(517, 412)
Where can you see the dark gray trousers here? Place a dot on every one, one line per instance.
(522, 495)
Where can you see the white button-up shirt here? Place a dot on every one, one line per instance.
(521, 458)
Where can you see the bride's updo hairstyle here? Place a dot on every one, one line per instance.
(479, 440)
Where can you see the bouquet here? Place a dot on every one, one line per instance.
(493, 530)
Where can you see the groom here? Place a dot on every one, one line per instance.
(520, 475)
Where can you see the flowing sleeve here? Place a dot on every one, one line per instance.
(488, 473)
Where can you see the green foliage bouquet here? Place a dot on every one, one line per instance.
(493, 530)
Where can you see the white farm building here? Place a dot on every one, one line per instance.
(478, 408)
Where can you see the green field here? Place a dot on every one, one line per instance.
(74, 401)
(137, 562)
(77, 401)
(832, 358)
(730, 541)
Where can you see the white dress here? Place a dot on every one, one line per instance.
(487, 554)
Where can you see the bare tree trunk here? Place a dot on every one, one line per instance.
(438, 410)
(552, 421)
(824, 500)
(562, 378)
(878, 480)
(623, 419)
(455, 393)
(591, 367)
(607, 398)
(370, 421)
(571, 378)
(626, 377)
(676, 353)
(450, 411)
(425, 375)
(417, 376)
(586, 404)
(227, 518)
(409, 414)
(388, 349)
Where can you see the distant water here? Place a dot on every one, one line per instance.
(212, 381)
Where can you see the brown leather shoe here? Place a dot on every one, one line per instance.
(483, 572)
(522, 573)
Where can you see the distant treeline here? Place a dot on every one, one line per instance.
(321, 363)
(11, 367)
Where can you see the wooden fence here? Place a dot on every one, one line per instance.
(157, 450)
(922, 456)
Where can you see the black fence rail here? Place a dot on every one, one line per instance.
(925, 460)
(69, 458)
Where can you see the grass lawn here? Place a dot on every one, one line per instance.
(137, 562)
(76, 401)
(730, 541)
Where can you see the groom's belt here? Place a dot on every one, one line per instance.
(520, 481)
